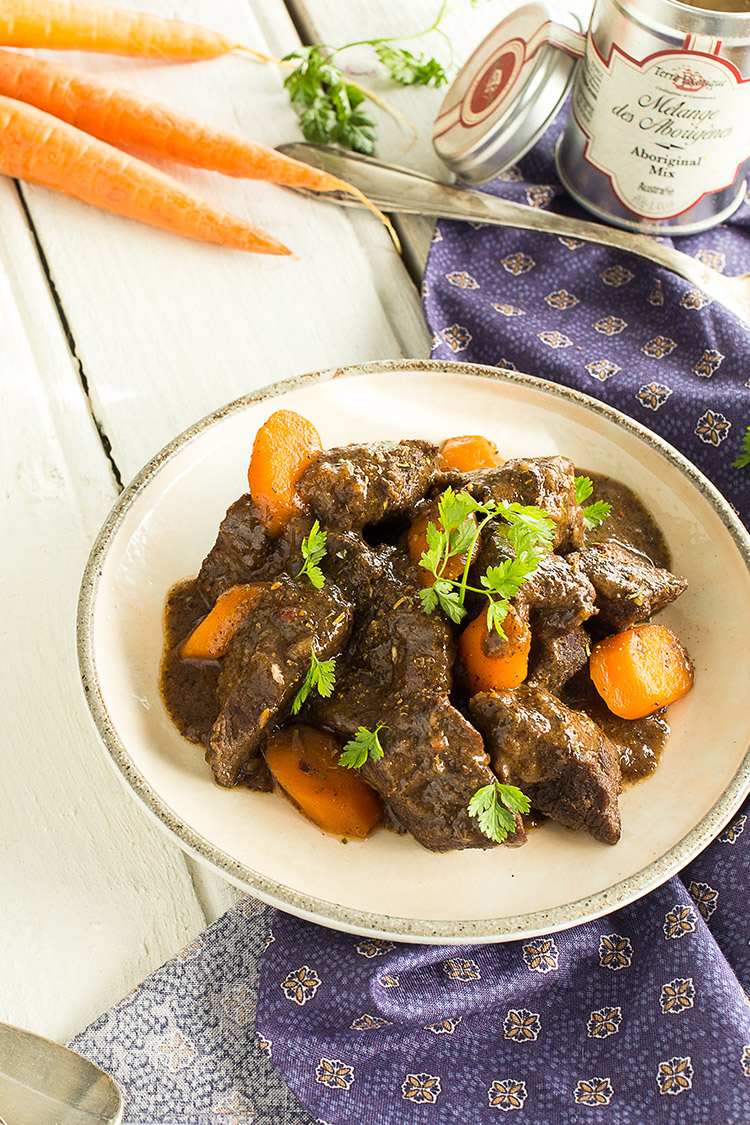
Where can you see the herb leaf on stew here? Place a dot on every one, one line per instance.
(320, 677)
(593, 514)
(364, 745)
(313, 552)
(495, 806)
(461, 520)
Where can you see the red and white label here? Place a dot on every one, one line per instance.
(666, 130)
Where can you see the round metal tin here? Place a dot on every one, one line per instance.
(508, 92)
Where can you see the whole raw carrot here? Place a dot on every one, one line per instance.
(126, 119)
(91, 25)
(38, 147)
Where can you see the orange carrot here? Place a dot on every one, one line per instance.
(640, 670)
(469, 452)
(126, 119)
(283, 448)
(417, 541)
(90, 25)
(210, 638)
(37, 147)
(507, 667)
(305, 763)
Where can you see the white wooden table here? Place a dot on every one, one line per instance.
(114, 337)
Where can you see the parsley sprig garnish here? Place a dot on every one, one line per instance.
(329, 107)
(313, 552)
(494, 807)
(330, 103)
(593, 514)
(409, 69)
(461, 520)
(320, 677)
(364, 745)
(744, 458)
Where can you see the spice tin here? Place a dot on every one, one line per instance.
(658, 139)
(508, 91)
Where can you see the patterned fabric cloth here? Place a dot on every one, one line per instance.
(639, 1017)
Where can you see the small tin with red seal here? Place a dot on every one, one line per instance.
(658, 137)
(506, 94)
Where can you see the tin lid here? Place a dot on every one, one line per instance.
(508, 92)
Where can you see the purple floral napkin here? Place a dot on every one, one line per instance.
(637, 1018)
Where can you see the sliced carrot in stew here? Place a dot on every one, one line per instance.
(464, 454)
(305, 763)
(210, 639)
(284, 446)
(417, 540)
(488, 662)
(640, 670)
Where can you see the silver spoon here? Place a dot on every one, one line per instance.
(393, 188)
(42, 1083)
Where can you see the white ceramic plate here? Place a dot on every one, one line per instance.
(389, 886)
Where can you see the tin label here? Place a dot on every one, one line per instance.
(665, 130)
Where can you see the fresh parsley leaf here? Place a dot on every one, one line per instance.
(528, 526)
(364, 745)
(593, 514)
(449, 599)
(313, 551)
(494, 807)
(744, 458)
(596, 513)
(320, 677)
(461, 520)
(584, 488)
(330, 108)
(410, 70)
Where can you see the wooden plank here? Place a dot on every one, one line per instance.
(94, 895)
(167, 329)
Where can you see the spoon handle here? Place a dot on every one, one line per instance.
(398, 189)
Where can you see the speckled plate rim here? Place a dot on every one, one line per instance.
(337, 916)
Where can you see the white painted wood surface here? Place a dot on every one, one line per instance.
(117, 336)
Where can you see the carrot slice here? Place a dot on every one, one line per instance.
(210, 639)
(38, 147)
(640, 670)
(472, 451)
(508, 665)
(417, 542)
(305, 763)
(284, 446)
(89, 25)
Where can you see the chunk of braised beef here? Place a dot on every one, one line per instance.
(357, 485)
(560, 758)
(559, 597)
(433, 762)
(243, 552)
(629, 588)
(544, 482)
(639, 742)
(398, 673)
(553, 662)
(265, 664)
